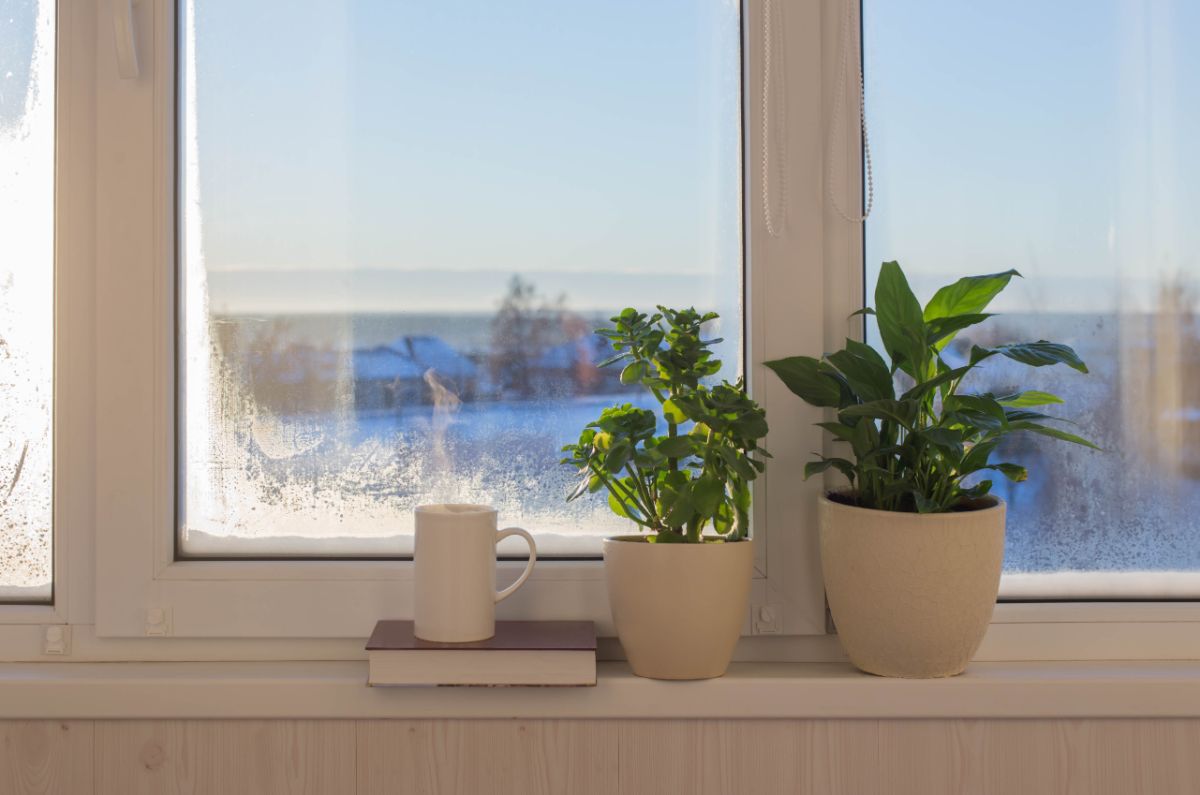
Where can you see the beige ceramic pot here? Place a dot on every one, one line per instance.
(911, 594)
(678, 608)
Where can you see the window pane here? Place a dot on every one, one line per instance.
(1059, 139)
(26, 297)
(402, 221)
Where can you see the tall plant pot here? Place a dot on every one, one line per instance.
(911, 594)
(678, 608)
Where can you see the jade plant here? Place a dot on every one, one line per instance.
(689, 464)
(919, 441)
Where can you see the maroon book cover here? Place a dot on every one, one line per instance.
(510, 636)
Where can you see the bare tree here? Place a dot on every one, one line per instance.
(526, 325)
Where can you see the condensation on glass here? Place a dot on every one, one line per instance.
(26, 299)
(401, 223)
(1060, 139)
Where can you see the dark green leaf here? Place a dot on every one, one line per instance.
(977, 457)
(1024, 415)
(901, 322)
(977, 406)
(903, 412)
(923, 503)
(939, 331)
(864, 370)
(947, 440)
(864, 351)
(866, 438)
(1054, 433)
(978, 490)
(841, 464)
(1023, 400)
(968, 295)
(1013, 472)
(944, 377)
(840, 430)
(1041, 354)
(803, 376)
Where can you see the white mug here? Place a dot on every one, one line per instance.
(455, 558)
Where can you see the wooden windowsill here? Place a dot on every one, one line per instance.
(750, 690)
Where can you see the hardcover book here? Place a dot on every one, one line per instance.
(538, 653)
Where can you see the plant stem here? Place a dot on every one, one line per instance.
(624, 495)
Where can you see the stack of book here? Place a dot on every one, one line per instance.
(538, 653)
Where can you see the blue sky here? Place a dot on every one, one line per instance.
(571, 140)
(538, 136)
(1057, 137)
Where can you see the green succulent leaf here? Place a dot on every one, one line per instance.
(633, 372)
(673, 413)
(696, 476)
(676, 446)
(707, 492)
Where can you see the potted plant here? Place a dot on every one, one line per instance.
(912, 551)
(678, 594)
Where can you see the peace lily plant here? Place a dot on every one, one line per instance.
(912, 550)
(675, 472)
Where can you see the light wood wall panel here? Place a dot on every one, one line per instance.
(458, 757)
(224, 757)
(45, 757)
(912, 757)
(747, 756)
(657, 757)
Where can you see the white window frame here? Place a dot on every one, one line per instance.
(142, 589)
(120, 593)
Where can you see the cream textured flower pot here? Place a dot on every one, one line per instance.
(911, 594)
(678, 608)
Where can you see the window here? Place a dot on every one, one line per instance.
(296, 264)
(1058, 139)
(27, 96)
(258, 266)
(401, 223)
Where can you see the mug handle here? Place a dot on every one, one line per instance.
(516, 531)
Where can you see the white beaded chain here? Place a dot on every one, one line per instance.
(781, 168)
(836, 126)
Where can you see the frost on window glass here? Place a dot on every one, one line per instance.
(401, 224)
(1059, 139)
(26, 297)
